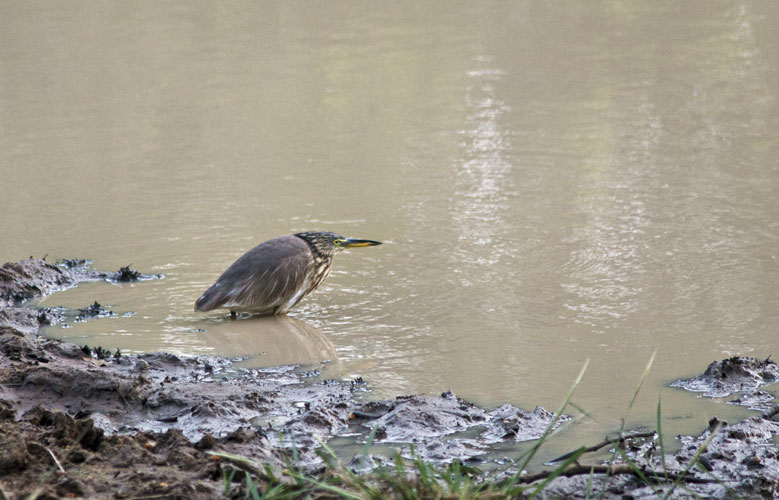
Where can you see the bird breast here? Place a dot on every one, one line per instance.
(321, 271)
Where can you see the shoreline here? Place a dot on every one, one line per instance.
(135, 425)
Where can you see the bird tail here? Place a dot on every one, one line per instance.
(207, 301)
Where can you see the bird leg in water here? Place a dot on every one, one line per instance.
(232, 314)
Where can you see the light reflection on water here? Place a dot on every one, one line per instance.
(554, 183)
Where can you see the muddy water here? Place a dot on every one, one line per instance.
(554, 182)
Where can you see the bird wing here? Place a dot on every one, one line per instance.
(264, 278)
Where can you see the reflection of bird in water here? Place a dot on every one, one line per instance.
(271, 341)
(275, 275)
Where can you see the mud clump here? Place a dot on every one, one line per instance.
(419, 418)
(100, 353)
(126, 273)
(94, 311)
(736, 375)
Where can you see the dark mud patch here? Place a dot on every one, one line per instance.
(96, 310)
(24, 280)
(737, 375)
(50, 454)
(127, 273)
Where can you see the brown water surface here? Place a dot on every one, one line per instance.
(555, 182)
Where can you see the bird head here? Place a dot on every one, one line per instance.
(327, 243)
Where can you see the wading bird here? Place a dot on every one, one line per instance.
(275, 275)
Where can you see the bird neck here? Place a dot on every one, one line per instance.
(319, 254)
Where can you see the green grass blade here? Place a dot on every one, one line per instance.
(327, 487)
(694, 460)
(423, 471)
(660, 435)
(638, 389)
(731, 492)
(556, 417)
(510, 486)
(588, 488)
(251, 489)
(636, 469)
(347, 476)
(277, 492)
(238, 459)
(295, 454)
(368, 444)
(584, 413)
(559, 470)
(228, 480)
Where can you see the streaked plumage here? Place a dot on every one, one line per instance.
(276, 274)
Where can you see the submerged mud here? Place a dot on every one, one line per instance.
(79, 421)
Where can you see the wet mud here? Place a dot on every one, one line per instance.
(734, 375)
(80, 421)
(725, 461)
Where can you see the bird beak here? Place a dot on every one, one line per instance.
(354, 243)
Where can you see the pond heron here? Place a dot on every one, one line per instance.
(275, 275)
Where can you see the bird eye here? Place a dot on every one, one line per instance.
(338, 241)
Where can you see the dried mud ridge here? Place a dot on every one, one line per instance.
(84, 422)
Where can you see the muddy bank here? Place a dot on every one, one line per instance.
(51, 391)
(77, 421)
